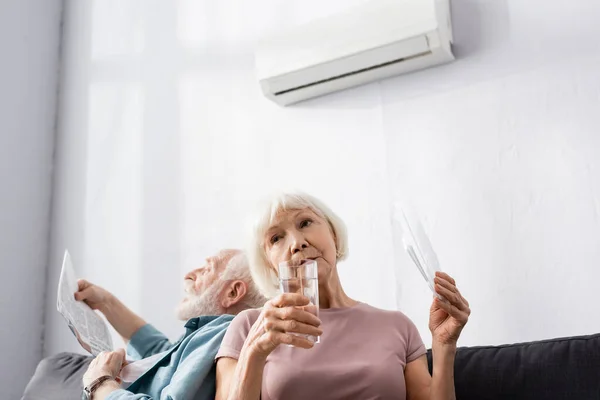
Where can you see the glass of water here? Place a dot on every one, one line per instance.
(302, 277)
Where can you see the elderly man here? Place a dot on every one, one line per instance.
(213, 294)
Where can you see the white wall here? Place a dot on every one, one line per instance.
(165, 141)
(501, 151)
(29, 39)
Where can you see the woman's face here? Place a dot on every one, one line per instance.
(298, 235)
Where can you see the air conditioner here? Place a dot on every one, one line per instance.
(375, 40)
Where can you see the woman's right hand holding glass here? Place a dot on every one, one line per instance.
(281, 319)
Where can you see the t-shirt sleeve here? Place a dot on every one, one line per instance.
(236, 334)
(414, 344)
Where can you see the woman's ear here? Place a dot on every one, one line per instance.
(335, 241)
(233, 293)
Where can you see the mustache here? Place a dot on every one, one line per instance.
(188, 287)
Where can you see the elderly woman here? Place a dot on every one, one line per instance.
(364, 353)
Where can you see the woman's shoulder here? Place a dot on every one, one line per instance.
(390, 316)
(247, 317)
(237, 332)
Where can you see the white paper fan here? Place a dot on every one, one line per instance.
(417, 244)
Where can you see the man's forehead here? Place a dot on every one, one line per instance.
(225, 255)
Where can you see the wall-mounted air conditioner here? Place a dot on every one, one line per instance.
(376, 40)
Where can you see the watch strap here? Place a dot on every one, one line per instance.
(91, 388)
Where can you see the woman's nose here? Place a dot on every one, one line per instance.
(299, 244)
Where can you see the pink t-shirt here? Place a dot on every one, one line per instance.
(362, 355)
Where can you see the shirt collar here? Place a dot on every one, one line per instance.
(198, 322)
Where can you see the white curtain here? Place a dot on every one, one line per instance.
(166, 142)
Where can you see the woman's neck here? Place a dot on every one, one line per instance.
(332, 295)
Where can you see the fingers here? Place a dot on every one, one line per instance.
(111, 356)
(452, 296)
(105, 363)
(120, 353)
(82, 284)
(283, 324)
(114, 360)
(277, 338)
(299, 341)
(293, 306)
(118, 360)
(289, 299)
(284, 318)
(291, 326)
(464, 300)
(291, 319)
(445, 283)
(449, 283)
(293, 313)
(84, 289)
(457, 306)
(453, 311)
(445, 276)
(83, 294)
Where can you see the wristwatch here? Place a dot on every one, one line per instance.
(91, 388)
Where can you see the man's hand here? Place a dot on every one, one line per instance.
(106, 363)
(94, 296)
(125, 321)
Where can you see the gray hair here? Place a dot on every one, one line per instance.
(237, 269)
(264, 276)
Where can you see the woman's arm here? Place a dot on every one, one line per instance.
(242, 379)
(442, 382)
(447, 319)
(422, 386)
(247, 378)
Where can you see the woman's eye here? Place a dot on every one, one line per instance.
(275, 239)
(305, 223)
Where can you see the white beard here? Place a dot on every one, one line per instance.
(198, 304)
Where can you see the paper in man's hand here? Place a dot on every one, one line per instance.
(88, 327)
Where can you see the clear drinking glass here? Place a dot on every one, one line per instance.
(302, 277)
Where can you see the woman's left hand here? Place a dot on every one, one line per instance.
(447, 317)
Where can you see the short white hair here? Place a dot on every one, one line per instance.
(263, 274)
(237, 269)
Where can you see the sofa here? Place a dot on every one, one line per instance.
(557, 369)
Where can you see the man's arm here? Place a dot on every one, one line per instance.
(146, 342)
(109, 364)
(125, 321)
(193, 373)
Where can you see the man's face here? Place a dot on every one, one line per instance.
(203, 288)
(200, 279)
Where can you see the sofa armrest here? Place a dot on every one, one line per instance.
(556, 369)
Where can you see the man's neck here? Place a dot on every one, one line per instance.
(236, 309)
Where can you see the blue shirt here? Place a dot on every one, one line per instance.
(187, 370)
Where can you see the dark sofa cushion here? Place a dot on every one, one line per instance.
(58, 378)
(557, 369)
